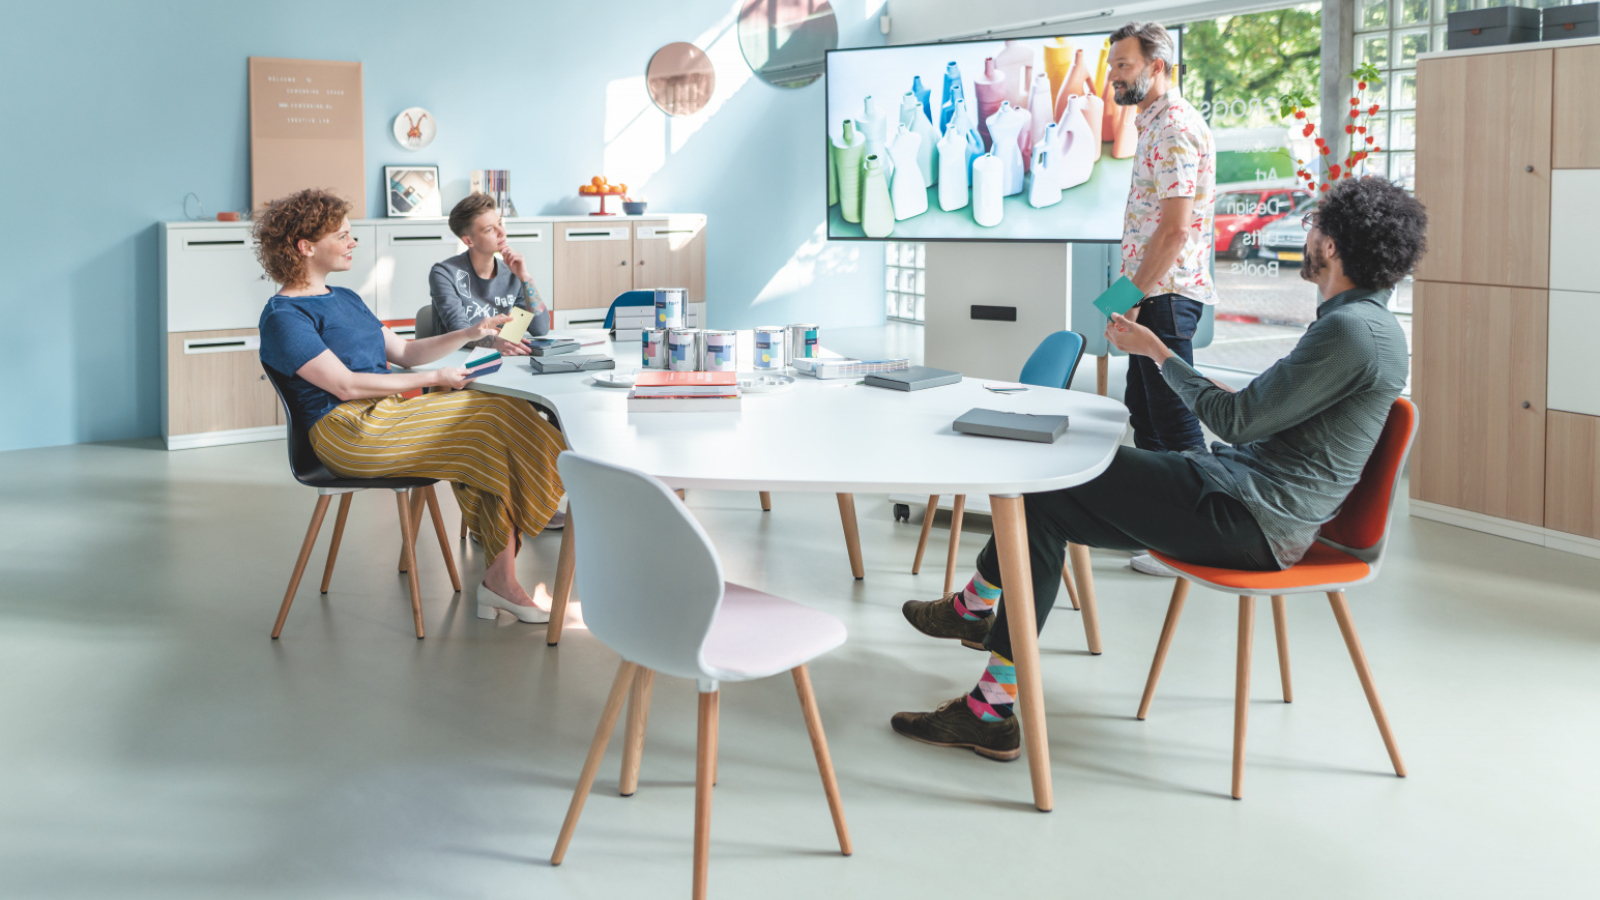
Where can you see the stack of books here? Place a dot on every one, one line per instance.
(844, 367)
(657, 391)
(483, 365)
(631, 320)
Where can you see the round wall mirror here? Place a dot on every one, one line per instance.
(784, 40)
(681, 79)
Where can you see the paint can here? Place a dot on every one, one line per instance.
(770, 342)
(654, 341)
(671, 306)
(683, 349)
(719, 351)
(805, 342)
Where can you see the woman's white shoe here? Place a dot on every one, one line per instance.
(489, 601)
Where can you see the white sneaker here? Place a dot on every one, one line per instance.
(557, 522)
(1145, 564)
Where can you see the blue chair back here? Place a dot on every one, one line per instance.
(628, 298)
(1054, 361)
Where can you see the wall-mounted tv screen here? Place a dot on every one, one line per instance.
(1001, 140)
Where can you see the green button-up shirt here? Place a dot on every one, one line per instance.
(1300, 434)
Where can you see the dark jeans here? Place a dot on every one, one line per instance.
(1145, 499)
(1160, 420)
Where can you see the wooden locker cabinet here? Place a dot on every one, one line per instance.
(1478, 357)
(593, 264)
(215, 383)
(1575, 126)
(1572, 474)
(670, 253)
(1483, 167)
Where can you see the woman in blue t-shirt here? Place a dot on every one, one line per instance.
(497, 452)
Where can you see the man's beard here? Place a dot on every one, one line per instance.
(1131, 94)
(1312, 267)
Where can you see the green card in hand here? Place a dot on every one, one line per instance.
(1119, 298)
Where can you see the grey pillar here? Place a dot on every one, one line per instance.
(1338, 40)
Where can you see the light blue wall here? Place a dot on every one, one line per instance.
(115, 110)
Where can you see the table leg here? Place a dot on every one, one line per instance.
(565, 569)
(1011, 544)
(1102, 374)
(852, 535)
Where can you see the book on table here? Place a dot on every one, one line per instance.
(484, 365)
(915, 378)
(570, 362)
(1043, 429)
(550, 346)
(683, 404)
(659, 391)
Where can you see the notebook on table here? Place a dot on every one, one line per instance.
(550, 346)
(570, 362)
(1043, 429)
(915, 378)
(484, 365)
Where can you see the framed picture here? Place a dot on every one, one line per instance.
(413, 191)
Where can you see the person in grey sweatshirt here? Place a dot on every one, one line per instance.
(475, 286)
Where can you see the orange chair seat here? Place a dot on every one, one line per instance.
(1322, 565)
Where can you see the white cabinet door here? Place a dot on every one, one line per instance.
(405, 254)
(363, 275)
(536, 241)
(1574, 383)
(214, 281)
(1574, 229)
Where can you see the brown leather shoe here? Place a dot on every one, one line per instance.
(954, 725)
(938, 618)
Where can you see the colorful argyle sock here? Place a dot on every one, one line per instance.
(995, 697)
(977, 599)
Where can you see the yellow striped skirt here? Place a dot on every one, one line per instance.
(497, 453)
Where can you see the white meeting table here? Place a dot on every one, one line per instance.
(844, 437)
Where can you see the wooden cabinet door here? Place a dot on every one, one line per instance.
(215, 383)
(1483, 167)
(670, 253)
(1478, 364)
(1575, 116)
(593, 264)
(1572, 474)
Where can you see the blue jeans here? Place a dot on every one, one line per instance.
(1159, 418)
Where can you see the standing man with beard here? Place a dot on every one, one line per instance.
(1166, 234)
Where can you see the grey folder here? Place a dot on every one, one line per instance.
(572, 362)
(1016, 426)
(913, 379)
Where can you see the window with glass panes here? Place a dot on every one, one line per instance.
(904, 280)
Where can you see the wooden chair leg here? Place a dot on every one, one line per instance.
(927, 525)
(597, 750)
(1341, 612)
(1280, 625)
(704, 768)
(416, 524)
(1180, 593)
(766, 501)
(1241, 690)
(819, 746)
(1067, 579)
(338, 534)
(633, 738)
(432, 499)
(463, 528)
(1085, 578)
(563, 590)
(852, 534)
(957, 512)
(300, 564)
(408, 535)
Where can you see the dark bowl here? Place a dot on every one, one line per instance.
(633, 207)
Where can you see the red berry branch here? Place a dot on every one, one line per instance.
(1362, 144)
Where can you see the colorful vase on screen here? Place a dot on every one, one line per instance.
(988, 190)
(907, 189)
(1075, 85)
(875, 124)
(1005, 126)
(1044, 189)
(1074, 162)
(953, 170)
(833, 174)
(991, 92)
(877, 209)
(1017, 62)
(1094, 111)
(848, 152)
(1057, 62)
(1040, 117)
(953, 93)
(1127, 138)
(1100, 69)
(1108, 119)
(913, 117)
(922, 94)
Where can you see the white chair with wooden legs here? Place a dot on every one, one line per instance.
(409, 492)
(670, 611)
(1348, 553)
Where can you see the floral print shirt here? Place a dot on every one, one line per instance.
(1175, 157)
